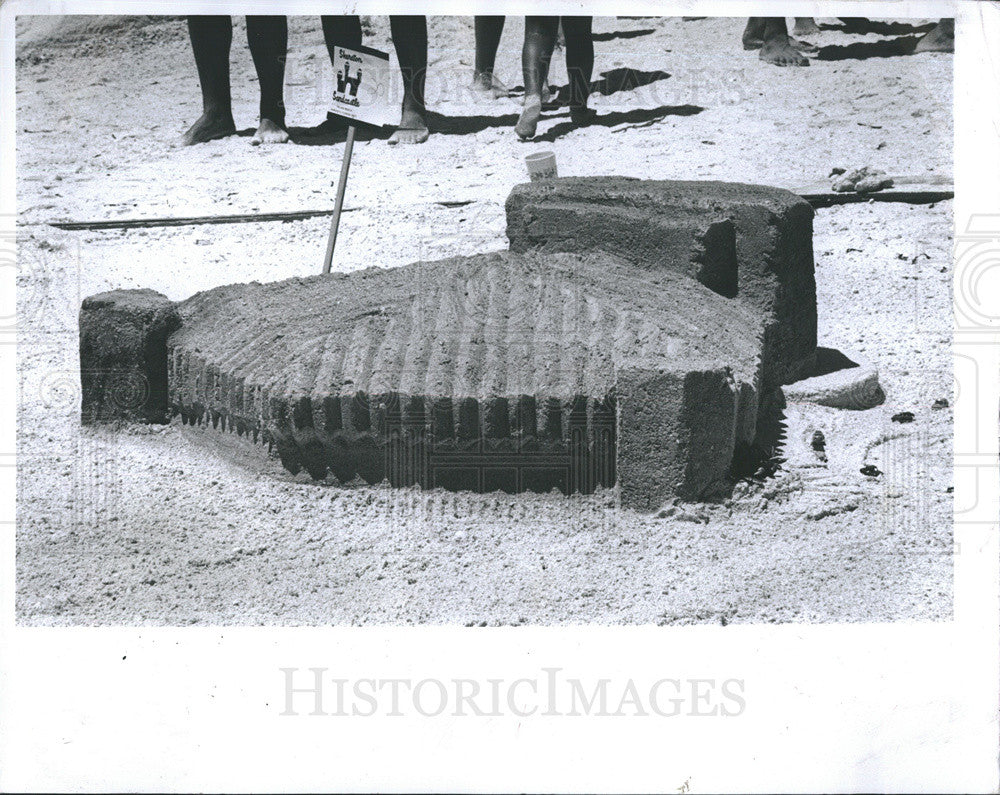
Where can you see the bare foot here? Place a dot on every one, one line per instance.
(487, 84)
(780, 52)
(412, 129)
(805, 26)
(798, 44)
(530, 114)
(940, 38)
(209, 127)
(269, 132)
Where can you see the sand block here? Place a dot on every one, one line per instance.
(123, 355)
(676, 434)
(498, 371)
(750, 242)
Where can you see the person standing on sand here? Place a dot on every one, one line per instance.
(488, 32)
(770, 36)
(940, 38)
(805, 26)
(211, 40)
(539, 43)
(409, 38)
(484, 81)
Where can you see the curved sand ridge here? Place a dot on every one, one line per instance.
(493, 348)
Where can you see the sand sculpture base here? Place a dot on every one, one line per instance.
(634, 333)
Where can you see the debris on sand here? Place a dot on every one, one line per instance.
(833, 508)
(818, 444)
(696, 514)
(856, 388)
(903, 416)
(871, 471)
(861, 180)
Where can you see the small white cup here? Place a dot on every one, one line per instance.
(541, 165)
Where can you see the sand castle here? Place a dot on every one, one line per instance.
(636, 332)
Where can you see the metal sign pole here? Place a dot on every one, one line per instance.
(335, 221)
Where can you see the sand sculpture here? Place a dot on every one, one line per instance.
(635, 332)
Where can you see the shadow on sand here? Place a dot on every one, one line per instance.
(623, 34)
(611, 82)
(640, 117)
(762, 459)
(625, 79)
(860, 26)
(862, 50)
(327, 134)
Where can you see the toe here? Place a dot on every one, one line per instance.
(409, 137)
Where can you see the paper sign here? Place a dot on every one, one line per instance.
(361, 82)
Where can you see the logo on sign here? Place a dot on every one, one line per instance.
(347, 85)
(360, 83)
